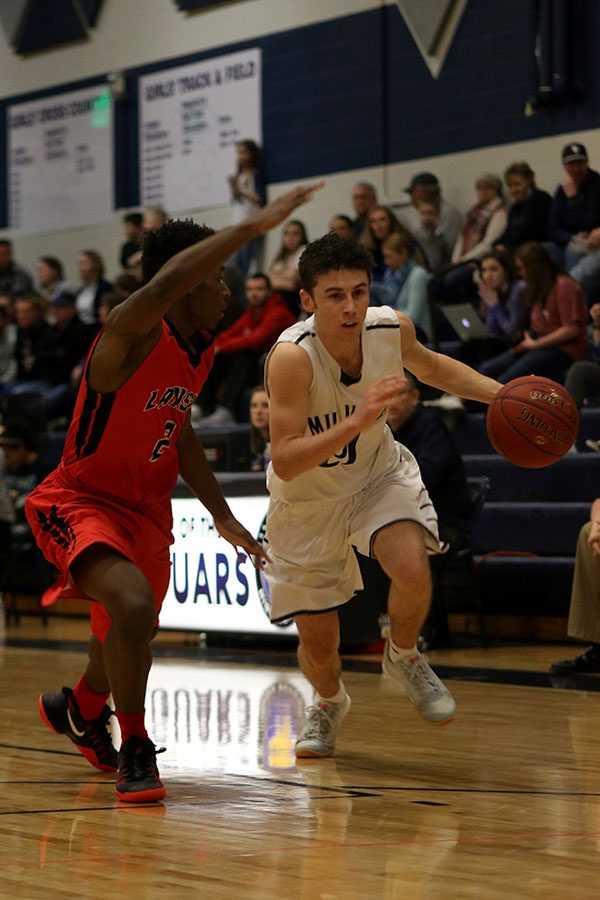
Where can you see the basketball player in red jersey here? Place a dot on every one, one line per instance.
(103, 517)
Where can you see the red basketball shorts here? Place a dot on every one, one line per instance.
(65, 521)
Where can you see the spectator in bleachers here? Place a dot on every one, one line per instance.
(502, 306)
(364, 198)
(558, 321)
(425, 187)
(342, 225)
(574, 224)
(240, 350)
(8, 341)
(502, 296)
(23, 563)
(528, 213)
(93, 285)
(260, 442)
(32, 337)
(50, 277)
(283, 272)
(107, 304)
(248, 195)
(131, 249)
(154, 217)
(406, 282)
(483, 224)
(14, 279)
(61, 356)
(430, 236)
(125, 284)
(20, 443)
(584, 611)
(133, 230)
(583, 377)
(381, 223)
(7, 514)
(422, 430)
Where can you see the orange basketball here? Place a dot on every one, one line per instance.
(532, 421)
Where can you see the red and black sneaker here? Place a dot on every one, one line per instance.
(138, 780)
(61, 713)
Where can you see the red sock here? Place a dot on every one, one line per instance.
(90, 702)
(132, 725)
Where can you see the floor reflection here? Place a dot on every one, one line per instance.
(215, 717)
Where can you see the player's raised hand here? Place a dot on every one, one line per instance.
(277, 211)
(377, 396)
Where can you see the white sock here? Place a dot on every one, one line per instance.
(397, 654)
(338, 697)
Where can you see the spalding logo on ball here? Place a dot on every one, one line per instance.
(532, 422)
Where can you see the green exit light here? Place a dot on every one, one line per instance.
(101, 107)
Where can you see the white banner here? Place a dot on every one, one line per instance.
(60, 161)
(191, 117)
(211, 589)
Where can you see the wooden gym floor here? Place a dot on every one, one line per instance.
(503, 803)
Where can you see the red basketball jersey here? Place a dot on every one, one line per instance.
(122, 445)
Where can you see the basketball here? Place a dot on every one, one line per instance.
(532, 422)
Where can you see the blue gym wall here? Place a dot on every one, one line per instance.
(354, 92)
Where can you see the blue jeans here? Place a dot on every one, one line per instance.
(549, 362)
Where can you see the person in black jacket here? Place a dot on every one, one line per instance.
(529, 210)
(574, 224)
(423, 432)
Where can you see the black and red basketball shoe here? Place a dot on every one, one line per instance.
(92, 738)
(138, 780)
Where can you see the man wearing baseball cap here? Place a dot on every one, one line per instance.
(424, 187)
(574, 224)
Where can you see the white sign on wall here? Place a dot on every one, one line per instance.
(191, 117)
(60, 161)
(211, 589)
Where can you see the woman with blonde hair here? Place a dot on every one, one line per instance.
(406, 281)
(381, 223)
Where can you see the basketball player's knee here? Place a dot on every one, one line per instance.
(412, 577)
(319, 653)
(134, 614)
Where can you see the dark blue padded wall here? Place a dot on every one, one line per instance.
(479, 98)
(354, 92)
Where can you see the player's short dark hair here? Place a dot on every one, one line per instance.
(171, 238)
(331, 253)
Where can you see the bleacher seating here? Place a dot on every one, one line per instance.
(471, 437)
(525, 536)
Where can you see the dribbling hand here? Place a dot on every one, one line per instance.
(377, 396)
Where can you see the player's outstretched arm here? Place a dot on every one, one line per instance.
(441, 371)
(289, 375)
(144, 309)
(198, 475)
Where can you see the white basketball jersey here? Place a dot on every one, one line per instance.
(333, 396)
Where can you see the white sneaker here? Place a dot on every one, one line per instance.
(593, 445)
(431, 697)
(446, 402)
(317, 738)
(221, 416)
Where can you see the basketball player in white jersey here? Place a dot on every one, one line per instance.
(337, 479)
